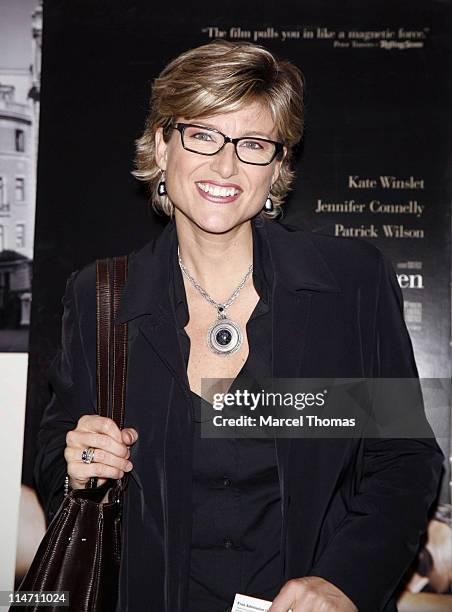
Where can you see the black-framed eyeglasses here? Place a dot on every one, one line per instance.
(208, 141)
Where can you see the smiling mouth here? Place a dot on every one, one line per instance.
(228, 192)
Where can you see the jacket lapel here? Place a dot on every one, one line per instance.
(146, 295)
(299, 272)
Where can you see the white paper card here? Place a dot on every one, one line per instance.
(244, 603)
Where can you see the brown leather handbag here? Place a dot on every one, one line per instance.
(81, 549)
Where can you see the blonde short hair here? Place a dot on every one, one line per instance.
(221, 77)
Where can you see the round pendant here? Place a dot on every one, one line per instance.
(224, 337)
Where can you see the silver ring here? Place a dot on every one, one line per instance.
(88, 454)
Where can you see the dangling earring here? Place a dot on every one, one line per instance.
(268, 206)
(161, 189)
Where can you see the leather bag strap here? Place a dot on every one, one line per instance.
(111, 341)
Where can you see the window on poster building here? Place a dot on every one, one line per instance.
(2, 191)
(20, 235)
(20, 189)
(20, 141)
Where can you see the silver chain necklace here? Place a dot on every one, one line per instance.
(224, 336)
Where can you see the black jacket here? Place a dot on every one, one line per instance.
(353, 509)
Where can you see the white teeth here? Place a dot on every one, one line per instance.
(217, 191)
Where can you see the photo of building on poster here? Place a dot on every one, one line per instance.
(20, 73)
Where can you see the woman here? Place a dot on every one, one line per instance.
(429, 587)
(224, 291)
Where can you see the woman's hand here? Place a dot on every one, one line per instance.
(110, 455)
(311, 594)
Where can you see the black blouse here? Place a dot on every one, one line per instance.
(236, 500)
